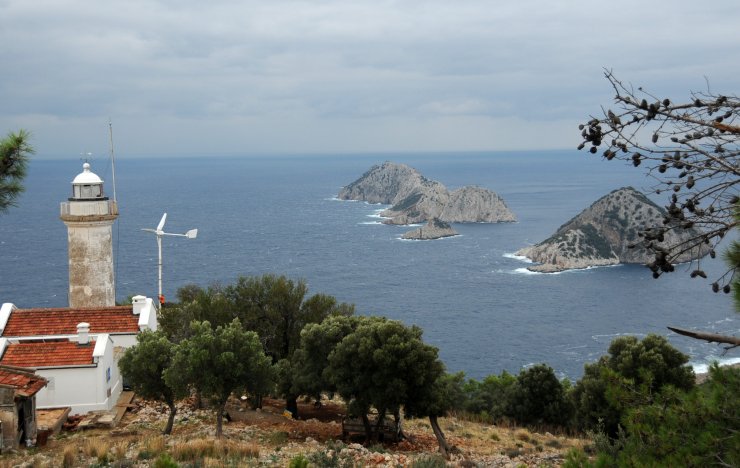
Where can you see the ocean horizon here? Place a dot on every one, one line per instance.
(472, 296)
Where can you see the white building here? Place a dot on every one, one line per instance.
(81, 373)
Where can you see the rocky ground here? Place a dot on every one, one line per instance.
(267, 438)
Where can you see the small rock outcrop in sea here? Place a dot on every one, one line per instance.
(600, 235)
(416, 199)
(434, 229)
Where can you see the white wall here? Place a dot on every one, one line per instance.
(83, 389)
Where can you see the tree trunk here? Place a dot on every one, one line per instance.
(379, 425)
(219, 419)
(368, 429)
(402, 435)
(291, 404)
(198, 402)
(443, 447)
(256, 401)
(170, 419)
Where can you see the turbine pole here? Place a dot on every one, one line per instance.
(159, 248)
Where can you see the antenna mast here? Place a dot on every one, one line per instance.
(112, 158)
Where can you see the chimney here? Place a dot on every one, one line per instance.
(139, 302)
(83, 333)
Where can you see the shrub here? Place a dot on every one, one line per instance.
(165, 461)
(698, 428)
(629, 376)
(298, 461)
(488, 398)
(278, 438)
(537, 396)
(429, 461)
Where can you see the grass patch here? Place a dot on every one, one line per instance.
(69, 456)
(523, 435)
(278, 438)
(205, 449)
(152, 447)
(96, 448)
(554, 443)
(429, 461)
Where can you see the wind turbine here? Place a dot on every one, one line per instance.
(191, 234)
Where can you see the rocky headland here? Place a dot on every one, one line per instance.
(434, 229)
(603, 233)
(416, 199)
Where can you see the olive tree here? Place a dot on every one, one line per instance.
(277, 308)
(386, 364)
(143, 366)
(217, 362)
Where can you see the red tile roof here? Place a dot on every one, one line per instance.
(52, 353)
(26, 383)
(63, 321)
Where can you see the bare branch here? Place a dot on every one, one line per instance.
(710, 337)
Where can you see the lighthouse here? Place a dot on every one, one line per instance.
(89, 216)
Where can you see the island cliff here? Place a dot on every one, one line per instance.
(416, 199)
(603, 233)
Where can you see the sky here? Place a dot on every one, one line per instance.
(221, 77)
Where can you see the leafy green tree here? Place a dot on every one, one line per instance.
(311, 359)
(632, 370)
(219, 361)
(489, 397)
(386, 365)
(696, 428)
(277, 309)
(14, 151)
(538, 397)
(196, 304)
(143, 366)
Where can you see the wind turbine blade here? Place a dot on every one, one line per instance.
(192, 234)
(149, 230)
(161, 222)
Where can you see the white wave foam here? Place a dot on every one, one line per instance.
(376, 214)
(703, 367)
(525, 271)
(370, 222)
(514, 256)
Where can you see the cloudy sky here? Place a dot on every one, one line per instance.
(230, 77)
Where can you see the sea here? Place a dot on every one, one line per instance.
(472, 296)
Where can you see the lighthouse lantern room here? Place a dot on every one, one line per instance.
(89, 216)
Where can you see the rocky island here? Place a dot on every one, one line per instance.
(434, 229)
(416, 199)
(602, 233)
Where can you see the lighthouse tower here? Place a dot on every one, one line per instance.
(89, 217)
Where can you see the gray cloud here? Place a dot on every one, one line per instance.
(313, 76)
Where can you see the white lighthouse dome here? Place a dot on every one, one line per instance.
(87, 185)
(87, 176)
